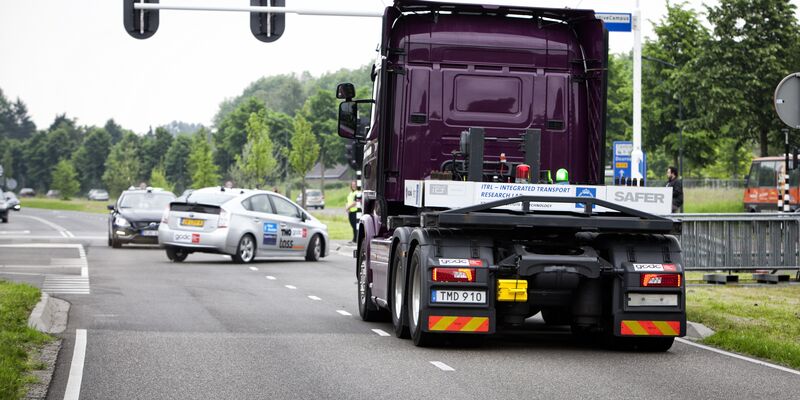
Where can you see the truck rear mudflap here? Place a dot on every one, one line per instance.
(649, 300)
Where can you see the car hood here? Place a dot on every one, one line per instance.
(140, 215)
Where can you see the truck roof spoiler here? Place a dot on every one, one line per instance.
(487, 215)
(564, 14)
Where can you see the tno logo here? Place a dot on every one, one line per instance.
(585, 192)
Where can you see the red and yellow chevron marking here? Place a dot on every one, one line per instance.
(458, 324)
(650, 328)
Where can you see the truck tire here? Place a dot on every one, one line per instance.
(416, 298)
(398, 300)
(176, 254)
(366, 308)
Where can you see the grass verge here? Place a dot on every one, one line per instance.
(17, 340)
(338, 225)
(760, 321)
(701, 200)
(98, 207)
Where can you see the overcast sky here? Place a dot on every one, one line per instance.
(75, 57)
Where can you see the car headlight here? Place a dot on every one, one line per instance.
(119, 221)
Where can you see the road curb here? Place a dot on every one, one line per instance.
(345, 249)
(49, 315)
(697, 331)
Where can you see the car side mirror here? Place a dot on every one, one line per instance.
(110, 207)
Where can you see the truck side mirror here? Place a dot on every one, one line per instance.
(345, 91)
(348, 120)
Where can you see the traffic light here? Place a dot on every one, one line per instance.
(141, 24)
(354, 151)
(267, 27)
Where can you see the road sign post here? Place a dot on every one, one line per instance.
(787, 106)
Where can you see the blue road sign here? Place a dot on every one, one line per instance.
(622, 160)
(617, 22)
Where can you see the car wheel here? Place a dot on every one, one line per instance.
(176, 254)
(5, 219)
(115, 243)
(366, 308)
(246, 250)
(416, 298)
(399, 305)
(314, 250)
(109, 240)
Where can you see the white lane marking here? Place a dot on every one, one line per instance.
(73, 391)
(50, 237)
(270, 277)
(315, 298)
(380, 332)
(343, 312)
(83, 263)
(442, 366)
(57, 227)
(738, 356)
(291, 287)
(66, 284)
(15, 232)
(253, 269)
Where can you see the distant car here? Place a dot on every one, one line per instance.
(246, 224)
(27, 192)
(136, 216)
(314, 199)
(12, 201)
(5, 209)
(53, 194)
(98, 195)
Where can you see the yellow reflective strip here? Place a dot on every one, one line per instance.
(443, 323)
(664, 327)
(635, 327)
(473, 324)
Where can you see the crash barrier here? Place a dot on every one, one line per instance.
(740, 241)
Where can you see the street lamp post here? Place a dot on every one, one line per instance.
(680, 113)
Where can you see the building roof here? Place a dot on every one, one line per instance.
(338, 172)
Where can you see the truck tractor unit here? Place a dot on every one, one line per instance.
(464, 230)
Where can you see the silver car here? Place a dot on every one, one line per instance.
(314, 199)
(245, 224)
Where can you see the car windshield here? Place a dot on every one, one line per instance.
(314, 193)
(146, 201)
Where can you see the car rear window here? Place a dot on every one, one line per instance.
(212, 199)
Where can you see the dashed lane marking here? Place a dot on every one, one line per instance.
(65, 284)
(61, 230)
(62, 283)
(291, 287)
(315, 298)
(73, 391)
(253, 269)
(442, 366)
(270, 277)
(380, 332)
(343, 312)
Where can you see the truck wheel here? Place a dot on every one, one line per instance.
(416, 299)
(650, 344)
(245, 251)
(176, 254)
(398, 302)
(314, 250)
(366, 308)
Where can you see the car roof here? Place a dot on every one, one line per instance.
(154, 191)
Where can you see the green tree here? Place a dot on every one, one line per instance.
(321, 112)
(114, 130)
(202, 169)
(256, 163)
(305, 151)
(122, 165)
(65, 179)
(158, 179)
(90, 159)
(619, 125)
(231, 134)
(176, 166)
(280, 131)
(154, 146)
(753, 45)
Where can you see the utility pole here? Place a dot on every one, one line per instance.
(637, 155)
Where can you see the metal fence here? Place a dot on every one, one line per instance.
(740, 241)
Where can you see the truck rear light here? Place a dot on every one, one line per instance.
(454, 275)
(661, 280)
(224, 219)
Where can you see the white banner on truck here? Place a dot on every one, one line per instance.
(454, 194)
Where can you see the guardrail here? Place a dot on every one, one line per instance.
(740, 241)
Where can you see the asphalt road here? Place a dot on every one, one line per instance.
(210, 329)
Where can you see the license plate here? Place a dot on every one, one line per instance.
(149, 233)
(458, 296)
(192, 222)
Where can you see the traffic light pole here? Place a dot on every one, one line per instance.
(262, 9)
